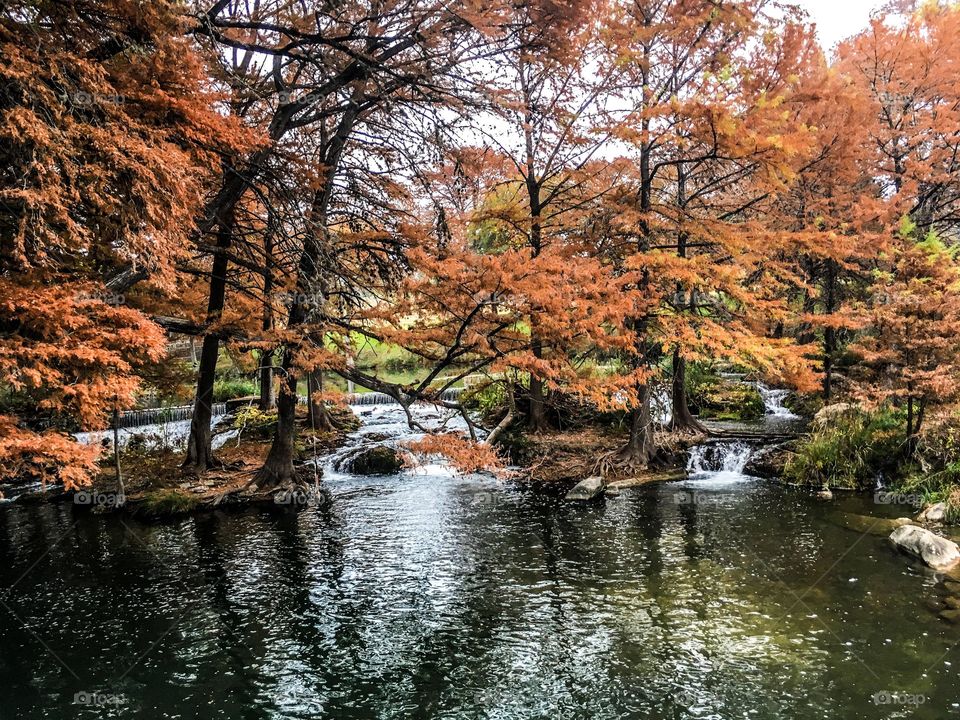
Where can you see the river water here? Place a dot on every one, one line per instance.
(426, 595)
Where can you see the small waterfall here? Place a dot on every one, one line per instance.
(729, 458)
(160, 415)
(773, 401)
(379, 398)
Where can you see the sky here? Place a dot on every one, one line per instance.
(838, 19)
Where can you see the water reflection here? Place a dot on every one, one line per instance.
(426, 595)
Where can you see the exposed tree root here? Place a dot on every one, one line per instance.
(623, 462)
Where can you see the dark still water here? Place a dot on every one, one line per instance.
(430, 596)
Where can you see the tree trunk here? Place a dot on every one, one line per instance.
(639, 450)
(681, 418)
(199, 453)
(319, 417)
(537, 420)
(121, 493)
(278, 469)
(267, 398)
(830, 333)
(914, 420)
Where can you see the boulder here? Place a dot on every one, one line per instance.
(951, 616)
(936, 513)
(376, 460)
(769, 462)
(234, 404)
(586, 489)
(935, 551)
(831, 413)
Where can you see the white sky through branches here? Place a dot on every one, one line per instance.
(838, 19)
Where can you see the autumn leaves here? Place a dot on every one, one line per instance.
(574, 200)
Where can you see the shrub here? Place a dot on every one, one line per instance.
(853, 451)
(253, 421)
(935, 472)
(716, 398)
(490, 400)
(230, 388)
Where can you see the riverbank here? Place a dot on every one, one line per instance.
(155, 484)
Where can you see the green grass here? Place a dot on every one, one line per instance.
(230, 388)
(164, 503)
(852, 451)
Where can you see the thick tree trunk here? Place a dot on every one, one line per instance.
(681, 418)
(278, 469)
(199, 453)
(267, 396)
(640, 448)
(537, 419)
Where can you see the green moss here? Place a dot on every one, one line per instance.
(253, 422)
(164, 503)
(805, 405)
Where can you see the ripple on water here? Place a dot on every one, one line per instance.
(427, 595)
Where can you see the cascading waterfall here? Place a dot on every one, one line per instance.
(773, 401)
(726, 458)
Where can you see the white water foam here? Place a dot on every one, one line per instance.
(773, 402)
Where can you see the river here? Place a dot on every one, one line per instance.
(427, 595)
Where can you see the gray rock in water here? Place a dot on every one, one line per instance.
(586, 489)
(376, 460)
(935, 513)
(951, 616)
(935, 551)
(769, 462)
